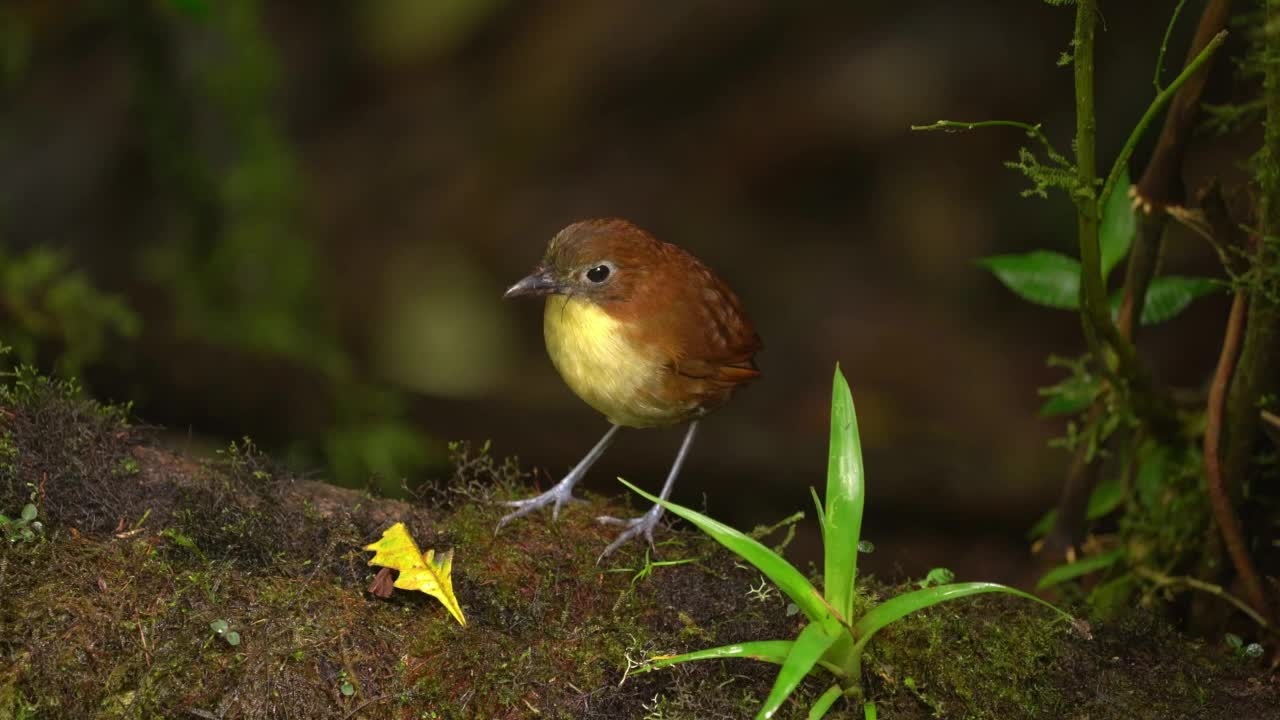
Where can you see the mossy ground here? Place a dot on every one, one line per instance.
(107, 615)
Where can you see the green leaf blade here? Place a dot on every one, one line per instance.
(824, 702)
(1079, 568)
(900, 606)
(788, 579)
(806, 651)
(1119, 225)
(771, 651)
(1041, 276)
(846, 494)
(1169, 295)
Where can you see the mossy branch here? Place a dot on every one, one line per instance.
(1151, 406)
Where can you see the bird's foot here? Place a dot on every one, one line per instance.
(560, 494)
(637, 526)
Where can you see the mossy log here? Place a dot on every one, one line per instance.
(107, 613)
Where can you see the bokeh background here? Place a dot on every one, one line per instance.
(294, 221)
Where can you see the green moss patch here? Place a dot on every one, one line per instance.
(108, 612)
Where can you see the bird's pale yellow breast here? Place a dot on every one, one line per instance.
(600, 365)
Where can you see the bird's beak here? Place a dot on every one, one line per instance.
(539, 282)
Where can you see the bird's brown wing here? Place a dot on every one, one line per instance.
(704, 333)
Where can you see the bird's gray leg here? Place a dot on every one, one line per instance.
(561, 492)
(644, 524)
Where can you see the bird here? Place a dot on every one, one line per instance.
(643, 332)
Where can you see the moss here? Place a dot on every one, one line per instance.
(113, 618)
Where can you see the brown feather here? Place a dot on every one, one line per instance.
(672, 304)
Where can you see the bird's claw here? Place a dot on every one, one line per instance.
(637, 526)
(559, 495)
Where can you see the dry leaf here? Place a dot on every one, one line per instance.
(428, 573)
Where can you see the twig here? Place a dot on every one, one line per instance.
(1164, 44)
(1215, 590)
(364, 705)
(1223, 510)
(1160, 184)
(1032, 131)
(1158, 104)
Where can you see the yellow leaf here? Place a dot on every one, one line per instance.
(428, 573)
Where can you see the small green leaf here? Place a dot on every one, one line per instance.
(347, 688)
(936, 576)
(1041, 276)
(824, 702)
(822, 514)
(805, 653)
(1071, 571)
(232, 638)
(1119, 225)
(1073, 394)
(219, 626)
(29, 512)
(1066, 403)
(1169, 295)
(1106, 497)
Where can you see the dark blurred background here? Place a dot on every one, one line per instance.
(294, 221)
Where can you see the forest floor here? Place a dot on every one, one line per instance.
(106, 612)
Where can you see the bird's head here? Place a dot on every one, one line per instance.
(597, 260)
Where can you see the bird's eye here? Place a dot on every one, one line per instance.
(598, 274)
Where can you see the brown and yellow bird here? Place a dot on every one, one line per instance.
(644, 333)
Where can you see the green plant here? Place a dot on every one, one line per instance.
(23, 528)
(222, 629)
(840, 623)
(1172, 462)
(1251, 651)
(48, 305)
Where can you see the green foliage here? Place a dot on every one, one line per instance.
(222, 629)
(1238, 647)
(1058, 173)
(241, 274)
(23, 528)
(1169, 295)
(1074, 393)
(46, 305)
(1051, 279)
(839, 627)
(1079, 568)
(1041, 276)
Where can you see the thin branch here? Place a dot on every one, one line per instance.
(1224, 511)
(1032, 131)
(1164, 44)
(1122, 160)
(1215, 590)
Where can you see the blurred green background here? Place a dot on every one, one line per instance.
(294, 221)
